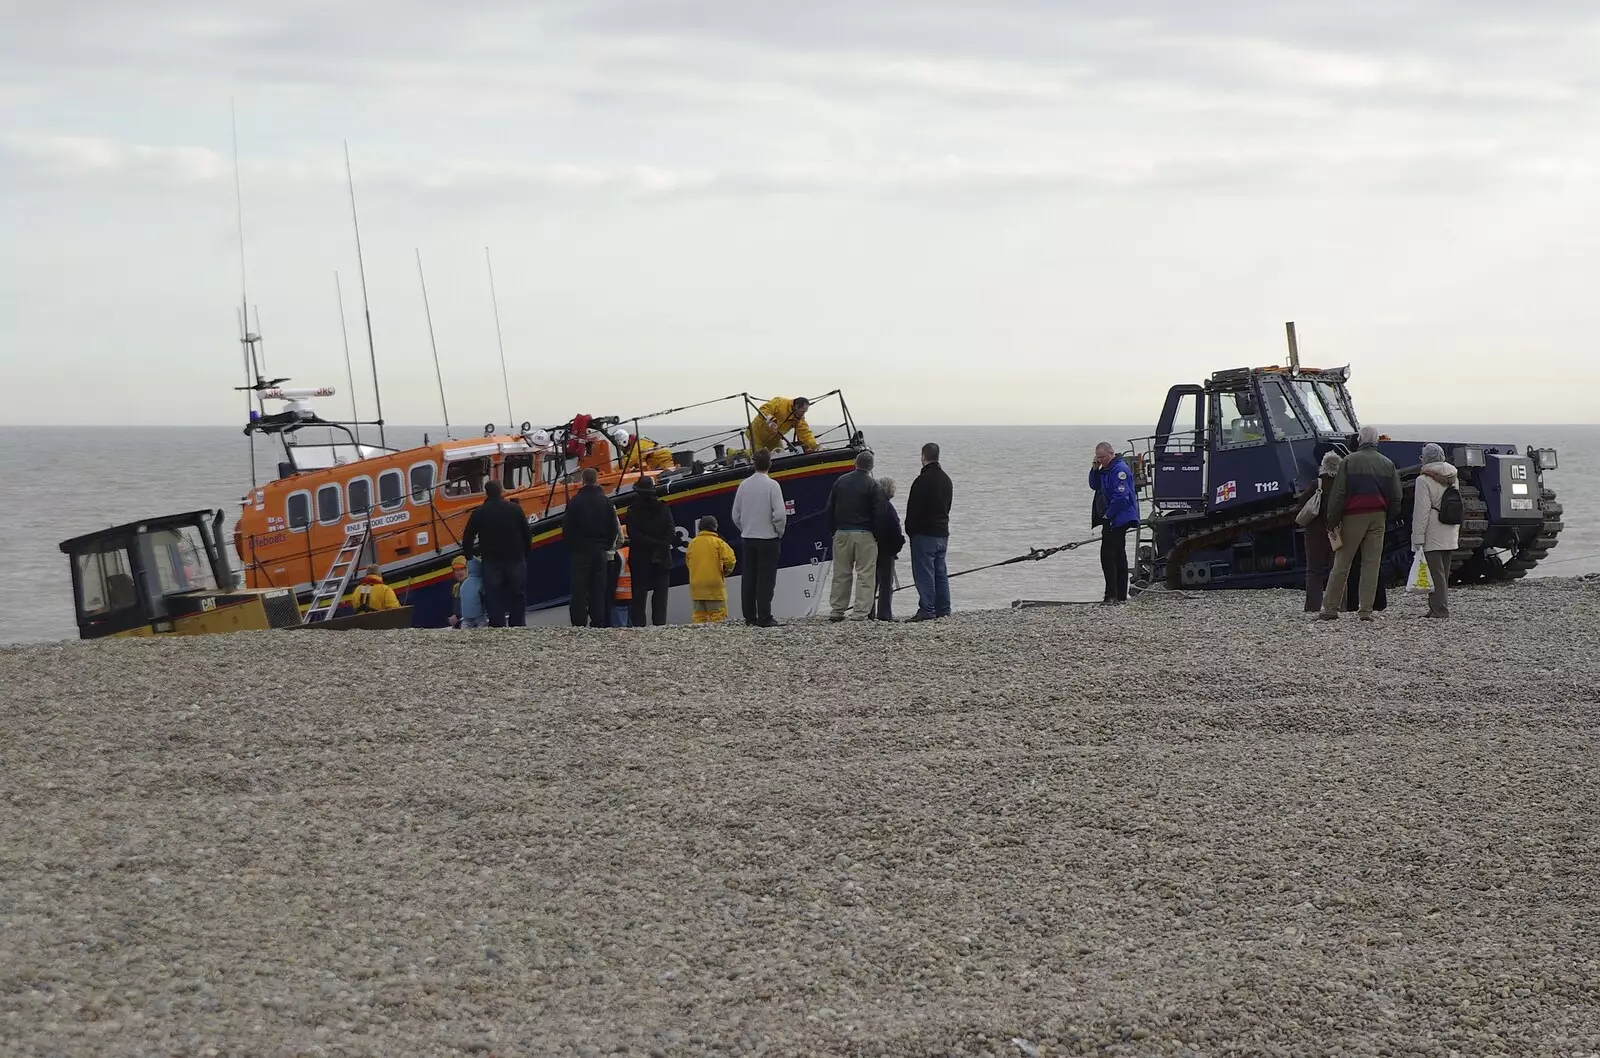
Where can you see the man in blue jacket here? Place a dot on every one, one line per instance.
(1116, 507)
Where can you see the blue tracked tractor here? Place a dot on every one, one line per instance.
(1231, 459)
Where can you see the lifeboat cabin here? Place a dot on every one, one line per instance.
(410, 505)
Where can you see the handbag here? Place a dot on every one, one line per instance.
(1313, 507)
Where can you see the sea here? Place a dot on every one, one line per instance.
(1016, 488)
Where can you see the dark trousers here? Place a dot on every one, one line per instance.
(589, 600)
(930, 574)
(655, 582)
(758, 581)
(885, 587)
(505, 591)
(1114, 561)
(613, 575)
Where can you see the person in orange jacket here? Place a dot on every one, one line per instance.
(710, 560)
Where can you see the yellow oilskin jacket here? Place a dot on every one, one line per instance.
(780, 410)
(374, 594)
(710, 560)
(655, 457)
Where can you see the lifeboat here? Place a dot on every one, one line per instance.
(338, 505)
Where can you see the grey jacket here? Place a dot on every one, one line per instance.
(758, 509)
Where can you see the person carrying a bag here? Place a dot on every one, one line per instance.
(1314, 519)
(1436, 525)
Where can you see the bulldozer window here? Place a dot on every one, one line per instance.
(104, 582)
(178, 559)
(1286, 419)
(1238, 421)
(1319, 415)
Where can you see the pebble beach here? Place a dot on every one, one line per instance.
(1188, 826)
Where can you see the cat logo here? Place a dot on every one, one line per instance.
(207, 605)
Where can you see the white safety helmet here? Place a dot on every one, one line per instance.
(620, 436)
(540, 438)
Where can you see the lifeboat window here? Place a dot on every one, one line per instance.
(329, 509)
(517, 472)
(422, 483)
(465, 477)
(391, 489)
(298, 508)
(359, 493)
(104, 583)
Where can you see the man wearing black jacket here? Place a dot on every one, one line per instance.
(652, 534)
(590, 529)
(500, 533)
(928, 526)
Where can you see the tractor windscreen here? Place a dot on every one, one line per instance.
(178, 559)
(1307, 391)
(1333, 396)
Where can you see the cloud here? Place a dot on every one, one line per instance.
(1442, 167)
(90, 156)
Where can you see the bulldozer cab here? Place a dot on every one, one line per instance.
(1247, 435)
(163, 574)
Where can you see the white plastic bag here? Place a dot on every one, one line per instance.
(1421, 578)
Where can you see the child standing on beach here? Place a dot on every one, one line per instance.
(710, 561)
(468, 592)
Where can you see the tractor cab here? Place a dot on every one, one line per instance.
(166, 575)
(1246, 436)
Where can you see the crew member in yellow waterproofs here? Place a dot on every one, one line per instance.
(710, 560)
(777, 417)
(374, 594)
(631, 449)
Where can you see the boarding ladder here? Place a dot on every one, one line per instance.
(337, 582)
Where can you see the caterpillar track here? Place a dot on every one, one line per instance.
(1477, 559)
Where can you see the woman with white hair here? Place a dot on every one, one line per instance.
(1319, 546)
(1429, 533)
(891, 539)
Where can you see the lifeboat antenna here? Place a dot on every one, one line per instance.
(436, 372)
(349, 375)
(252, 374)
(504, 378)
(1294, 346)
(366, 307)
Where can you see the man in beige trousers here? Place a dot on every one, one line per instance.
(1365, 490)
(856, 513)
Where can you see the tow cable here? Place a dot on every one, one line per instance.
(1034, 555)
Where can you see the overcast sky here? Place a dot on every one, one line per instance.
(997, 211)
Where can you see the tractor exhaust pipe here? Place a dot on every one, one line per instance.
(1294, 347)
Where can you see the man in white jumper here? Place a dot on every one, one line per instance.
(759, 514)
